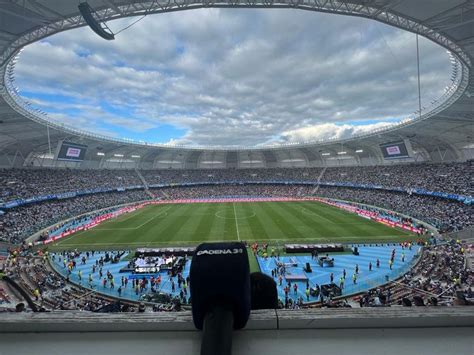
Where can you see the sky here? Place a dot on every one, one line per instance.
(232, 77)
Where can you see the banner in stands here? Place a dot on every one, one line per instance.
(374, 215)
(91, 223)
(468, 200)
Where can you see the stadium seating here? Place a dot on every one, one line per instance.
(24, 183)
(20, 222)
(441, 277)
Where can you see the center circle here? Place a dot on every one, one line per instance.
(218, 215)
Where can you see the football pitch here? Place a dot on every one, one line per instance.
(275, 223)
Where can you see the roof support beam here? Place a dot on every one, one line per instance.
(29, 18)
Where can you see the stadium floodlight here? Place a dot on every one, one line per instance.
(99, 28)
(295, 160)
(341, 153)
(100, 154)
(359, 151)
(325, 154)
(118, 155)
(135, 156)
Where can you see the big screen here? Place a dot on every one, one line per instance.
(71, 151)
(394, 150)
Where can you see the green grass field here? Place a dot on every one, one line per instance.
(191, 224)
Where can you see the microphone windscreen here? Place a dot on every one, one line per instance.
(264, 293)
(220, 274)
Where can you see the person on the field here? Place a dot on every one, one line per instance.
(370, 266)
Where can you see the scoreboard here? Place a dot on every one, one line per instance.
(71, 151)
(395, 150)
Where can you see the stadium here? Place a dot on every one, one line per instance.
(380, 220)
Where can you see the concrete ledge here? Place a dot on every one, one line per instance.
(394, 317)
(386, 317)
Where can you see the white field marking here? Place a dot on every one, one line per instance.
(161, 214)
(152, 218)
(132, 214)
(193, 242)
(69, 237)
(245, 217)
(312, 213)
(236, 224)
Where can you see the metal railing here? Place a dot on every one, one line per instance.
(461, 62)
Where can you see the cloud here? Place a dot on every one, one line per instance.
(329, 131)
(232, 77)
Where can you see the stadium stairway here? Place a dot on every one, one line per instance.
(145, 184)
(319, 180)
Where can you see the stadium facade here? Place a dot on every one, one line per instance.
(441, 132)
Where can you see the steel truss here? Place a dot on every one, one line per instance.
(378, 10)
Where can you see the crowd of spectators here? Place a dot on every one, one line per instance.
(446, 215)
(17, 223)
(216, 191)
(452, 178)
(442, 277)
(24, 183)
(49, 291)
(21, 222)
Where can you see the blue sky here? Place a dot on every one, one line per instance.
(232, 77)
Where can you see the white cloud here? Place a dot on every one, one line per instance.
(234, 76)
(329, 131)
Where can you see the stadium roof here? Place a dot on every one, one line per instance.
(442, 132)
